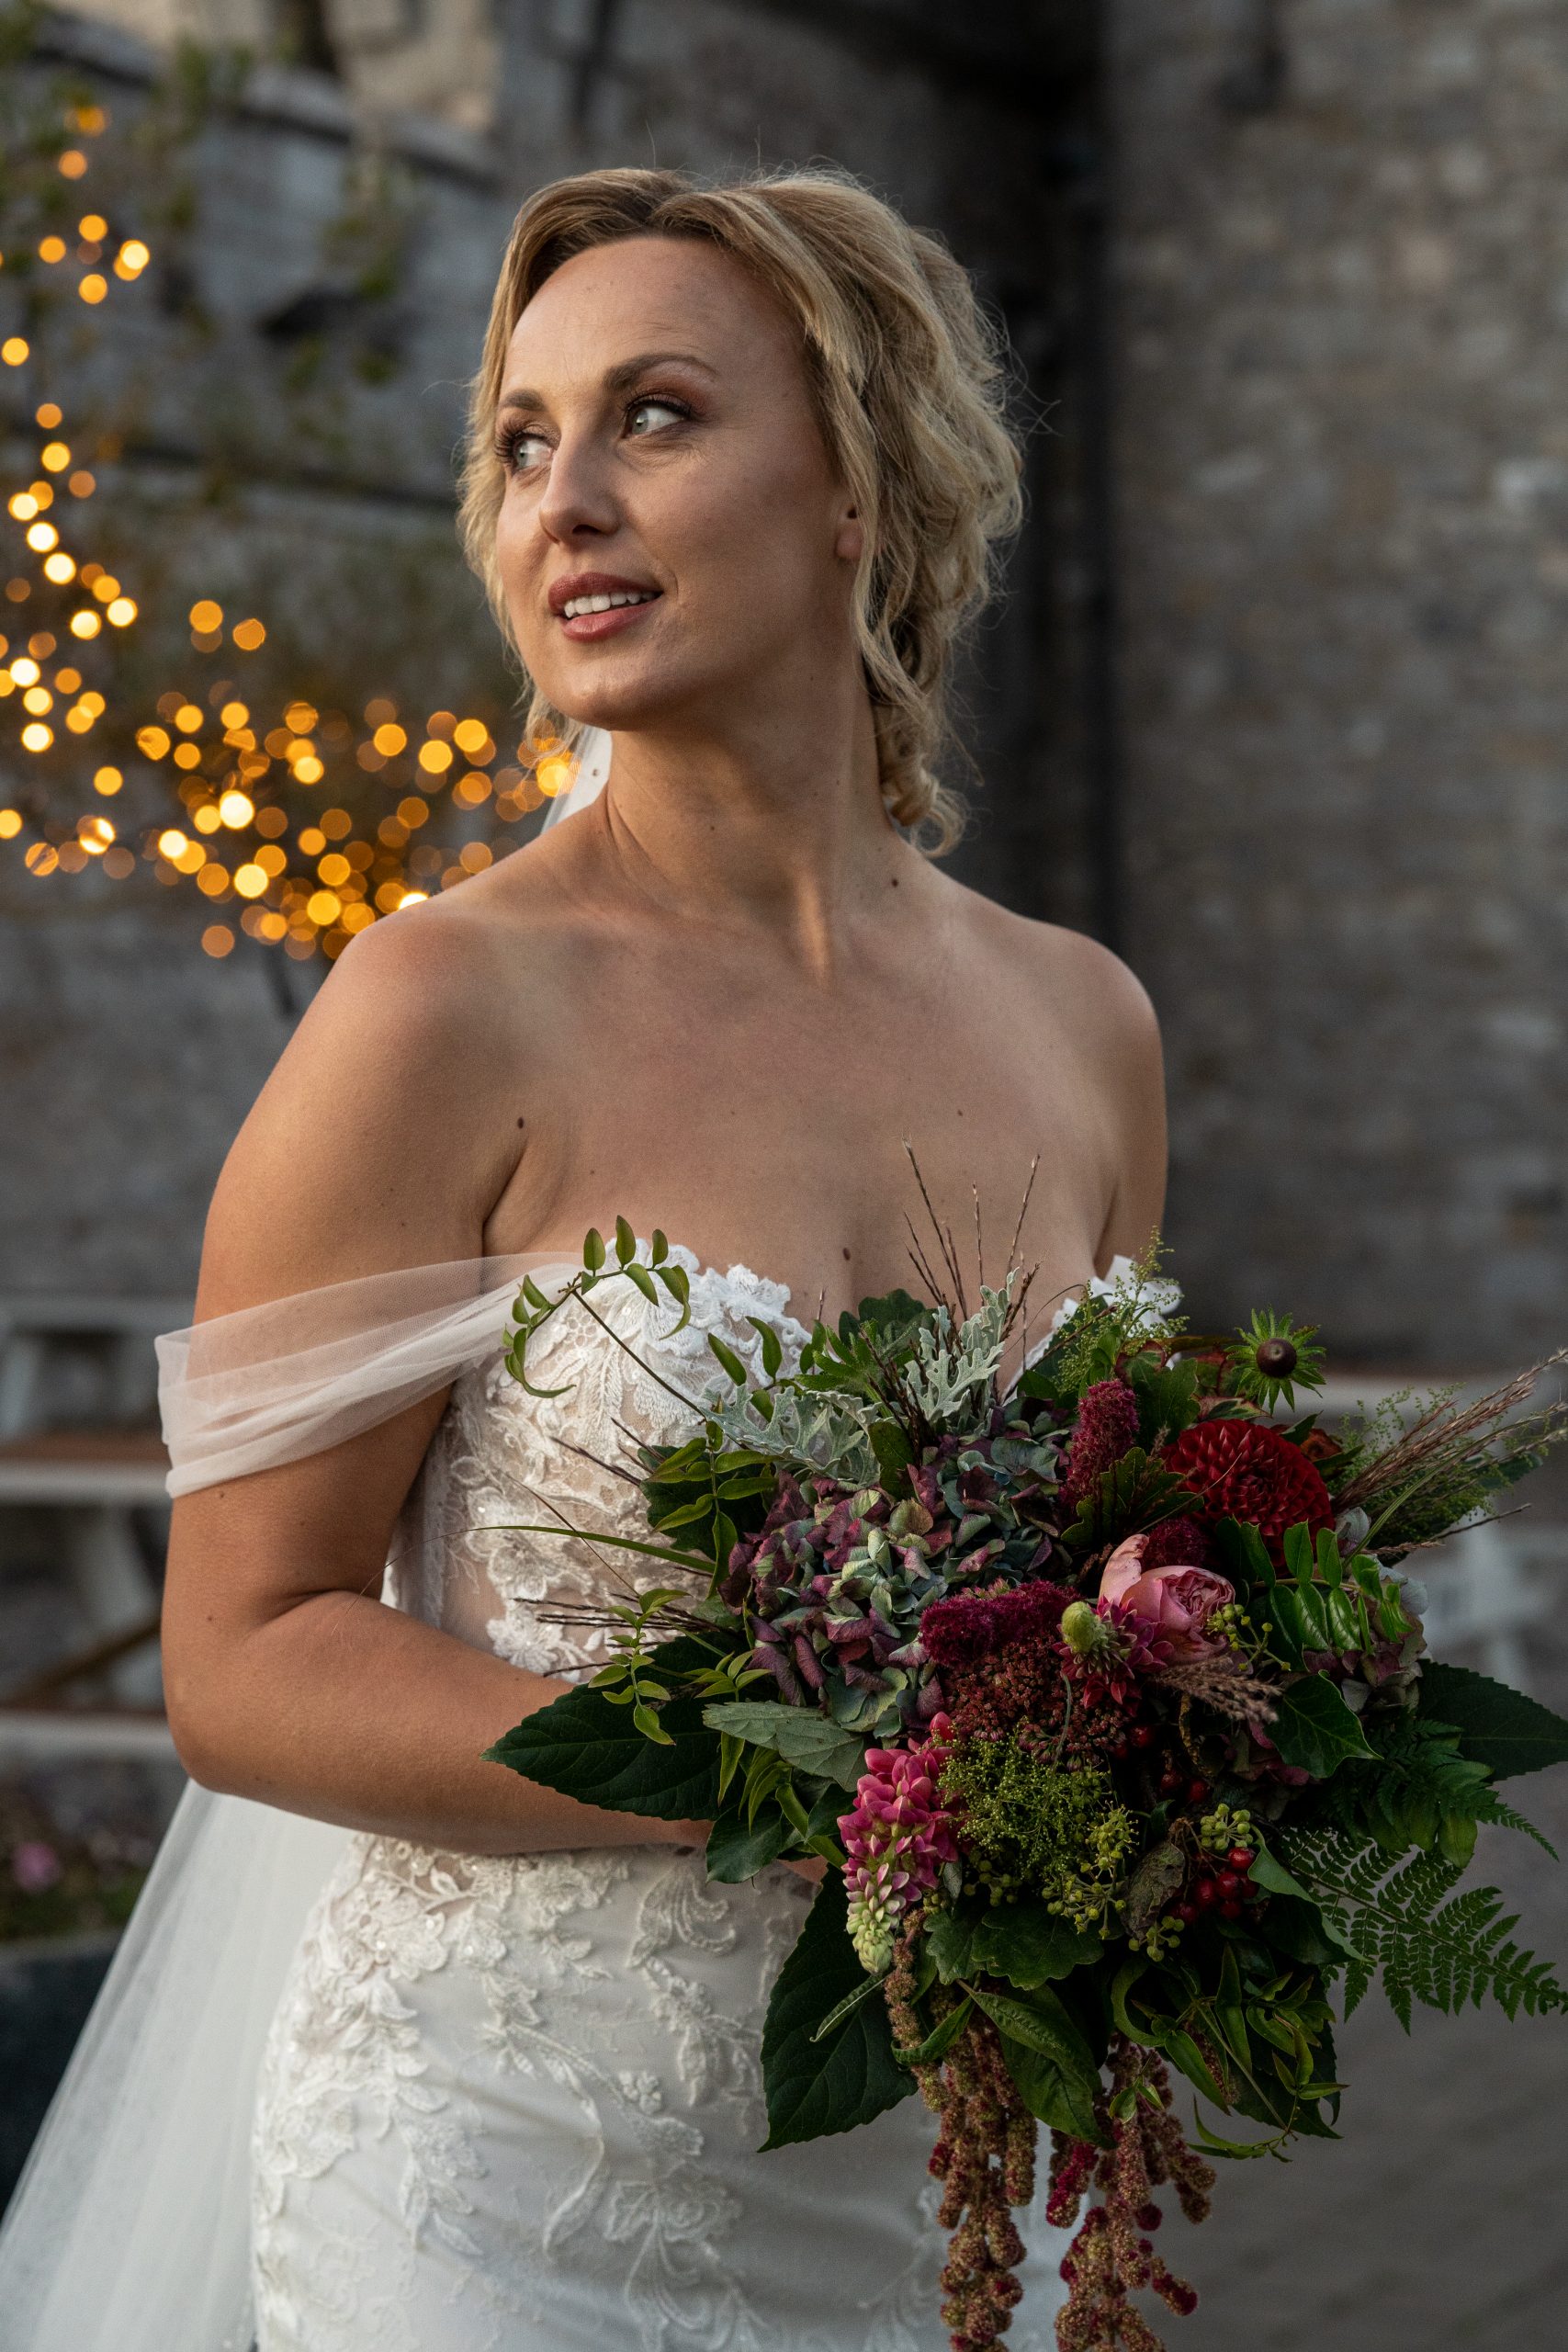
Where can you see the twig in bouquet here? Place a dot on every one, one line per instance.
(610, 1469)
(1022, 1213)
(621, 1543)
(979, 1243)
(916, 1257)
(1436, 1438)
(944, 1237)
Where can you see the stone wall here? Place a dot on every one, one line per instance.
(1343, 484)
(1335, 848)
(254, 457)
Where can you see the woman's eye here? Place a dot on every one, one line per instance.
(661, 411)
(523, 450)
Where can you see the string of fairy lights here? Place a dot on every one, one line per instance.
(300, 826)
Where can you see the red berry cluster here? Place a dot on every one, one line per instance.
(1222, 1883)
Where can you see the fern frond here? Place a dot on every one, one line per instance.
(1419, 1791)
(1408, 1927)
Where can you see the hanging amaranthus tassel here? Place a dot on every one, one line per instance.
(1112, 2256)
(984, 2157)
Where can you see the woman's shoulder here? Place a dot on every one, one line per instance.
(1064, 974)
(393, 1118)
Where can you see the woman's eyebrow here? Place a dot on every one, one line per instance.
(619, 379)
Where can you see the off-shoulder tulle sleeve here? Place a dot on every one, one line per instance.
(271, 1383)
(129, 2231)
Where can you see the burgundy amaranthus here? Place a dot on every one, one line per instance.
(1107, 1428)
(984, 2157)
(1112, 2256)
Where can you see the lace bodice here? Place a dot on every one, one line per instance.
(515, 2101)
(501, 1455)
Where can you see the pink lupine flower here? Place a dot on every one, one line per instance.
(1173, 1604)
(897, 1837)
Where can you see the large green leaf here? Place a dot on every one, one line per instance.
(1047, 2057)
(851, 2075)
(588, 1747)
(1029, 1945)
(736, 1853)
(1314, 1728)
(1498, 1727)
(950, 1941)
(799, 1735)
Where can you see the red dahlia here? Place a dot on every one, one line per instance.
(1239, 1470)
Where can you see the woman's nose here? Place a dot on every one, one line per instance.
(578, 496)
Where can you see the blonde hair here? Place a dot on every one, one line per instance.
(908, 378)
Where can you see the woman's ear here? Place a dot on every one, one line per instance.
(849, 542)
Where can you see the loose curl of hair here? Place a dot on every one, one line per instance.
(908, 378)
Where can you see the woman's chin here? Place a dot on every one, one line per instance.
(627, 704)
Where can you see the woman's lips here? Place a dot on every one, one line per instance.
(587, 628)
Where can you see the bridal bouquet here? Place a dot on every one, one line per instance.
(1107, 1704)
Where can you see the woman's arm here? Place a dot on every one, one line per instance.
(1128, 1069)
(287, 1678)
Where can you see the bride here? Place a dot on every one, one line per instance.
(737, 462)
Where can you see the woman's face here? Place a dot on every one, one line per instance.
(659, 443)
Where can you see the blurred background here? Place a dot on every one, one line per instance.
(1276, 703)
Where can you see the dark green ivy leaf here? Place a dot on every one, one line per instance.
(1314, 1728)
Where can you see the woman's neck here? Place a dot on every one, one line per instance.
(779, 827)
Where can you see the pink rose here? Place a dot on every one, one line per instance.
(1175, 1603)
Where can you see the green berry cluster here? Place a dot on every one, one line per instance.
(1095, 1895)
(1234, 1624)
(1222, 1828)
(1161, 1936)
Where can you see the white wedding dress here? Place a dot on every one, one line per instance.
(342, 2093)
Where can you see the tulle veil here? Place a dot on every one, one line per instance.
(129, 2230)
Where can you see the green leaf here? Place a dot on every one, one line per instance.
(894, 1452)
(798, 1734)
(588, 1747)
(1029, 1945)
(626, 1242)
(1050, 2093)
(1297, 1928)
(1313, 1729)
(1498, 1727)
(950, 1941)
(772, 1347)
(937, 2044)
(1048, 2059)
(736, 1853)
(1043, 2024)
(1184, 2053)
(642, 1280)
(850, 2075)
(1134, 1493)
(864, 1991)
(729, 1359)
(593, 1250)
(1243, 1553)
